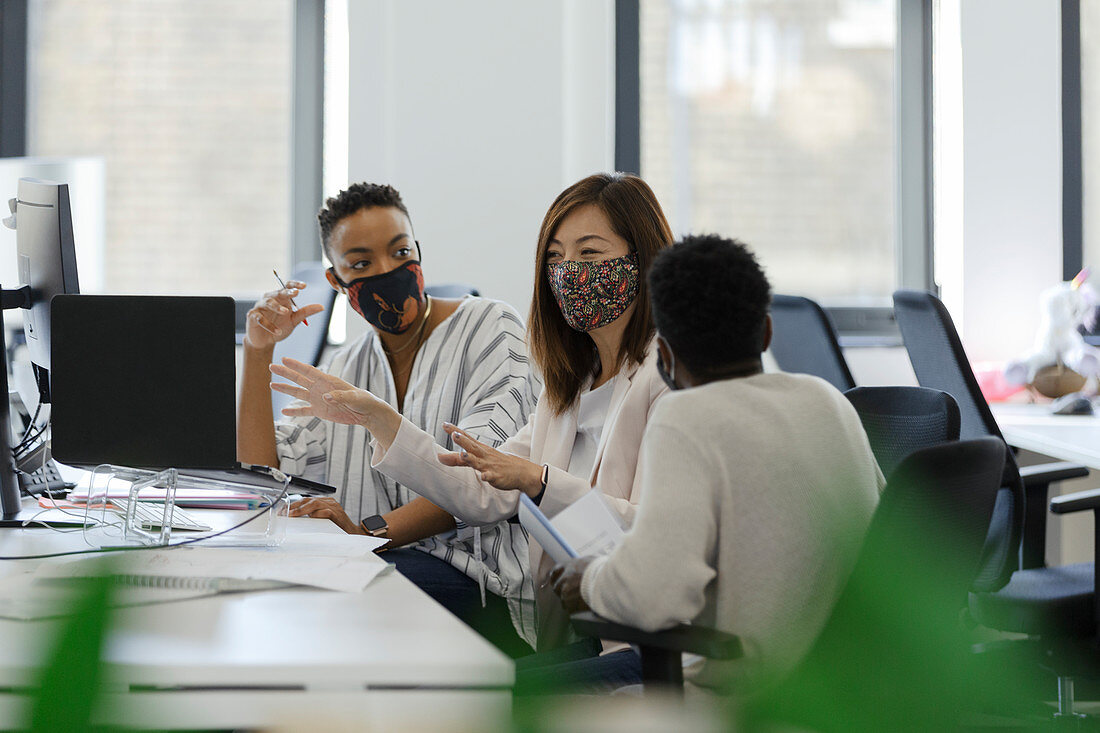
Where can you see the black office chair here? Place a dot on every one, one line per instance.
(944, 493)
(940, 362)
(900, 420)
(451, 290)
(804, 341)
(893, 653)
(1056, 606)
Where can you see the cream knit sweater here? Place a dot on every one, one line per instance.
(756, 494)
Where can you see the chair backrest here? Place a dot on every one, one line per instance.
(900, 420)
(307, 343)
(893, 642)
(939, 362)
(451, 290)
(804, 341)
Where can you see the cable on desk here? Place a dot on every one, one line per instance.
(169, 546)
(30, 427)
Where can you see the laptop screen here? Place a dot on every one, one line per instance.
(143, 381)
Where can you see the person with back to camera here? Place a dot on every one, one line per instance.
(757, 488)
(591, 337)
(430, 359)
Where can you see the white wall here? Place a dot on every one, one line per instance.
(480, 113)
(1012, 173)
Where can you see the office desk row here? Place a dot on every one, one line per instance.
(388, 657)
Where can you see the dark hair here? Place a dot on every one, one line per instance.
(354, 198)
(710, 302)
(567, 357)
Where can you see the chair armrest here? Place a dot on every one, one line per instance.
(1048, 473)
(1076, 502)
(710, 643)
(1036, 482)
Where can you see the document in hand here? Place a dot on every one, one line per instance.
(585, 527)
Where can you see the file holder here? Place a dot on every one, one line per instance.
(267, 529)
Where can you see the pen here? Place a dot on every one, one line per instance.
(283, 286)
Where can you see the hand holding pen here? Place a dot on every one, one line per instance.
(275, 315)
(282, 285)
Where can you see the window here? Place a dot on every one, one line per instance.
(775, 123)
(189, 102)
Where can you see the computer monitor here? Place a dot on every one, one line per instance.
(46, 262)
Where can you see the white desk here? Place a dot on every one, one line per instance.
(1065, 437)
(387, 657)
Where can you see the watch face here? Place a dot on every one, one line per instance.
(374, 523)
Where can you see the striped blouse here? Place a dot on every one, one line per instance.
(471, 371)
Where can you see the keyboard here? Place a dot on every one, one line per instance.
(150, 513)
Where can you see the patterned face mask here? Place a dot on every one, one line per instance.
(593, 294)
(390, 301)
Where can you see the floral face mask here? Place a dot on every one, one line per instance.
(593, 294)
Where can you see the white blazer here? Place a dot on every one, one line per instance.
(545, 439)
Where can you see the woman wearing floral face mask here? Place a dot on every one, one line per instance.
(431, 359)
(591, 337)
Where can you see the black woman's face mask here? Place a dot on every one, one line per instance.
(391, 301)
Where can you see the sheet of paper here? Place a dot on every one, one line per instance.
(589, 525)
(543, 531)
(311, 559)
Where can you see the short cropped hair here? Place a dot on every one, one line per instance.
(354, 198)
(710, 302)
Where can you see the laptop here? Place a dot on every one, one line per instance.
(150, 382)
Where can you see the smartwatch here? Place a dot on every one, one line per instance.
(375, 525)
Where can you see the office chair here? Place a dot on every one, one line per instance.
(900, 420)
(1056, 606)
(804, 341)
(451, 290)
(892, 653)
(306, 343)
(940, 362)
(947, 492)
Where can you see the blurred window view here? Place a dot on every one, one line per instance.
(774, 122)
(189, 104)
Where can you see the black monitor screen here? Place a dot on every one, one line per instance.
(143, 381)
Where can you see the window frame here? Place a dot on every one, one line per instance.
(13, 78)
(1073, 239)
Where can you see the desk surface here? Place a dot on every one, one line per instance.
(1065, 437)
(312, 643)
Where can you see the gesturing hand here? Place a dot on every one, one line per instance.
(273, 317)
(328, 397)
(502, 470)
(565, 579)
(326, 508)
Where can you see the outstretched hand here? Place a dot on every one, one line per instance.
(327, 397)
(501, 470)
(331, 398)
